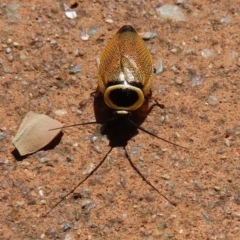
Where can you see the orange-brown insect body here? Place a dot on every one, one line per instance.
(125, 71)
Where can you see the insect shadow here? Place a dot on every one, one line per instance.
(119, 130)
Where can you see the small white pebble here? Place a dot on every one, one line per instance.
(85, 37)
(149, 35)
(237, 214)
(71, 14)
(88, 169)
(85, 202)
(60, 112)
(68, 237)
(172, 12)
(174, 50)
(15, 44)
(166, 176)
(108, 20)
(159, 67)
(42, 236)
(43, 202)
(41, 193)
(8, 50)
(206, 53)
(179, 81)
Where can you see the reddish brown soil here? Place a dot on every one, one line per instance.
(114, 203)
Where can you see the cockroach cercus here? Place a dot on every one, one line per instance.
(125, 78)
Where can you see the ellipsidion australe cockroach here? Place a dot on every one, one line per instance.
(125, 71)
(125, 78)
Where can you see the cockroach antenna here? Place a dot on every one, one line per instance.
(127, 155)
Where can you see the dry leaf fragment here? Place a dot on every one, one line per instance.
(33, 133)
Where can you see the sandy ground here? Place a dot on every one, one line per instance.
(47, 67)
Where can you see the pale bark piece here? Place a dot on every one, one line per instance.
(34, 133)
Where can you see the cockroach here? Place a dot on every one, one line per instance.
(125, 78)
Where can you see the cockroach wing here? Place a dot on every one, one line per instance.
(109, 67)
(135, 57)
(33, 133)
(126, 58)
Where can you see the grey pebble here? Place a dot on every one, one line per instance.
(162, 226)
(53, 42)
(149, 35)
(66, 227)
(44, 160)
(75, 69)
(196, 80)
(50, 232)
(3, 136)
(98, 149)
(212, 100)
